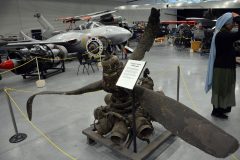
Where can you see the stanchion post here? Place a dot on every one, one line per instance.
(178, 81)
(134, 123)
(38, 69)
(40, 83)
(18, 137)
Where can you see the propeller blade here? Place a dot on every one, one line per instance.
(30, 101)
(148, 37)
(92, 87)
(186, 123)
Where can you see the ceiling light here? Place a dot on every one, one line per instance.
(134, 6)
(226, 3)
(122, 7)
(178, 4)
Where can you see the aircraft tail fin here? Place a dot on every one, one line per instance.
(26, 37)
(48, 28)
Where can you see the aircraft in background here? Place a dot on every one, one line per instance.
(89, 37)
(48, 29)
(105, 17)
(92, 38)
(206, 23)
(189, 22)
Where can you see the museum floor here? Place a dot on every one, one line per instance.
(62, 118)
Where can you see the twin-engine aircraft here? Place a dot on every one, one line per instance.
(89, 37)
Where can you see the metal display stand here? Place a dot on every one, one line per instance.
(134, 124)
(44, 74)
(178, 82)
(18, 137)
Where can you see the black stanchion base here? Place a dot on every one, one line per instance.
(17, 138)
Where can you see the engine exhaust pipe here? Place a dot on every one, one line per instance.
(119, 132)
(144, 128)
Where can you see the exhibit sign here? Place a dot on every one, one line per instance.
(130, 74)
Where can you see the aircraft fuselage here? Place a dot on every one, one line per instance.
(76, 40)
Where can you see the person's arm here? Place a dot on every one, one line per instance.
(236, 19)
(233, 36)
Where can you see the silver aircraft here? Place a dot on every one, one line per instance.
(105, 17)
(88, 36)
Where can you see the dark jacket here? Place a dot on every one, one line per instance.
(225, 52)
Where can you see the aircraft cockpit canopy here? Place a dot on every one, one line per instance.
(88, 25)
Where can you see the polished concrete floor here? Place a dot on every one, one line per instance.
(62, 118)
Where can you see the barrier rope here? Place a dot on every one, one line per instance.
(187, 90)
(18, 90)
(234, 157)
(37, 129)
(59, 59)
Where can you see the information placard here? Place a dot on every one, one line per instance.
(130, 74)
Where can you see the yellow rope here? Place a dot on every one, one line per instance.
(186, 89)
(38, 130)
(234, 157)
(18, 90)
(59, 59)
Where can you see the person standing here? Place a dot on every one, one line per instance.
(221, 75)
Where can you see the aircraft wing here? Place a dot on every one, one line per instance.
(35, 43)
(3, 43)
(30, 42)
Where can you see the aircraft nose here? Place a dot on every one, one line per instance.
(118, 35)
(127, 33)
(124, 34)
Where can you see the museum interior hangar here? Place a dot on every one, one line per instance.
(84, 80)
